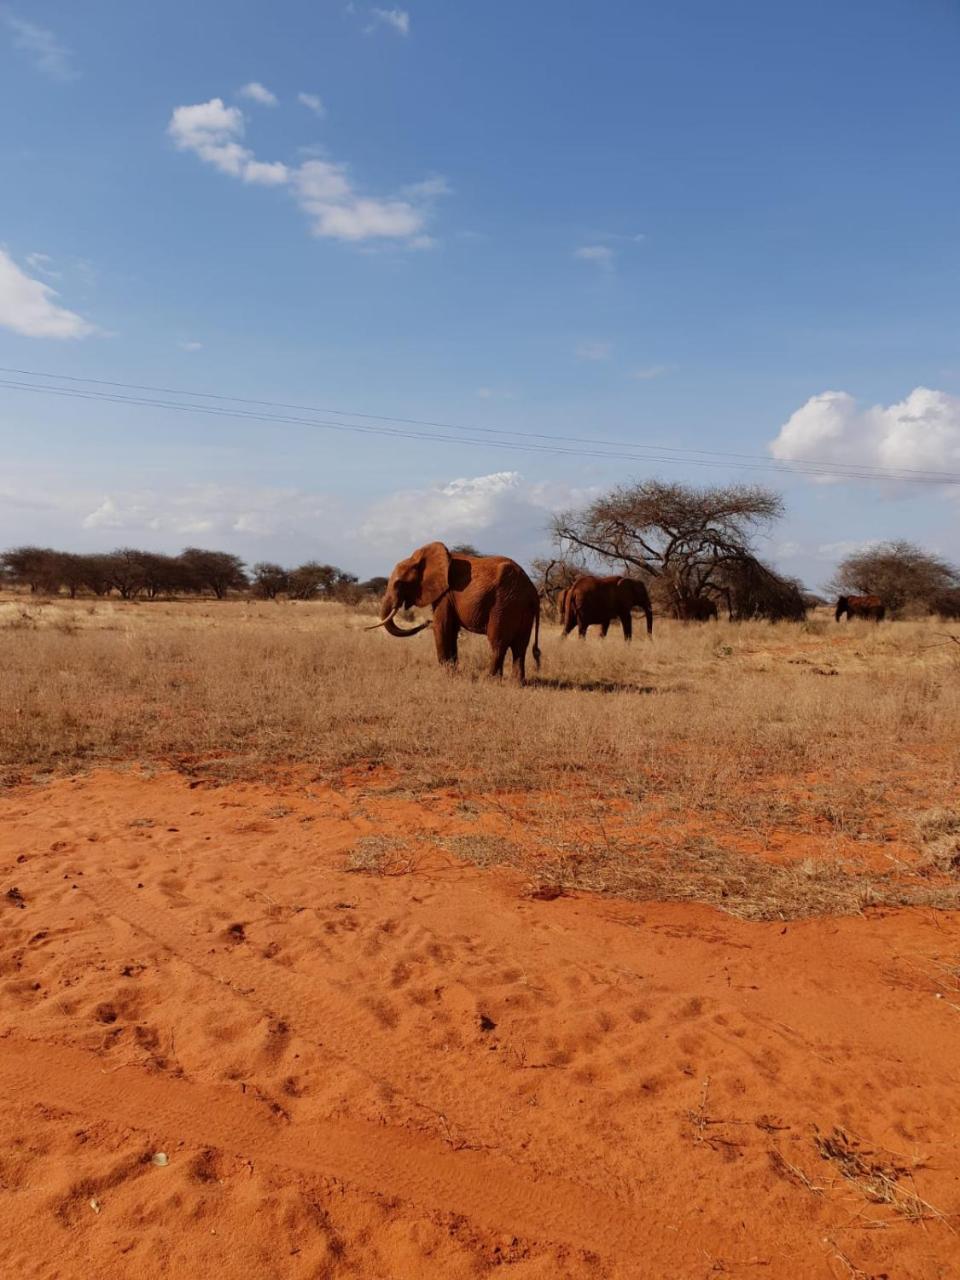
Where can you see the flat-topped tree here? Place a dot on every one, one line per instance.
(215, 571)
(904, 576)
(682, 537)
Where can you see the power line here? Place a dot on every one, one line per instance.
(832, 469)
(556, 444)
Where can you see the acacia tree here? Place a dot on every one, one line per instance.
(216, 571)
(268, 580)
(901, 574)
(126, 572)
(687, 540)
(315, 581)
(38, 568)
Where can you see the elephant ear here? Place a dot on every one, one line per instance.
(434, 562)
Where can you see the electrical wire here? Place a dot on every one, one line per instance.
(501, 437)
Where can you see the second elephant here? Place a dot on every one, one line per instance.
(597, 601)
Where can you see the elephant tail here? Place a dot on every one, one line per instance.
(536, 638)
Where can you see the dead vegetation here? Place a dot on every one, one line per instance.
(878, 1175)
(698, 870)
(726, 733)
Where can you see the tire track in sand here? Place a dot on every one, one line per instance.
(330, 1020)
(486, 1188)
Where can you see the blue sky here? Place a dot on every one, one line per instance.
(675, 223)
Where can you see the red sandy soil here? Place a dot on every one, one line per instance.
(435, 1074)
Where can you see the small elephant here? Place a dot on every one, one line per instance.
(698, 609)
(597, 601)
(869, 607)
(489, 595)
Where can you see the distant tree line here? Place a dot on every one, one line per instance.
(132, 574)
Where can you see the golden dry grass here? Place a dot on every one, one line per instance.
(848, 733)
(701, 706)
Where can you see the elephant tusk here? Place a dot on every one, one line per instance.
(383, 621)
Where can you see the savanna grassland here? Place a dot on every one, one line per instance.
(648, 968)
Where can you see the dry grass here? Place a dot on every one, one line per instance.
(878, 1175)
(738, 722)
(696, 711)
(699, 871)
(274, 683)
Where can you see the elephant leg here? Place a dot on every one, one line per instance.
(582, 630)
(498, 650)
(626, 621)
(446, 628)
(518, 651)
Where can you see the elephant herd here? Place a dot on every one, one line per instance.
(493, 596)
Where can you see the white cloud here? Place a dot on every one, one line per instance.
(648, 372)
(212, 131)
(27, 306)
(493, 393)
(47, 53)
(594, 351)
(398, 19)
(846, 547)
(325, 194)
(313, 102)
(497, 512)
(272, 174)
(208, 509)
(190, 346)
(42, 263)
(257, 92)
(600, 255)
(429, 188)
(321, 187)
(920, 433)
(503, 512)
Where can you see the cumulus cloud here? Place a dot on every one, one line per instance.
(600, 255)
(326, 195)
(212, 131)
(919, 433)
(322, 188)
(397, 19)
(313, 102)
(594, 351)
(502, 512)
(258, 92)
(457, 510)
(40, 45)
(27, 306)
(493, 511)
